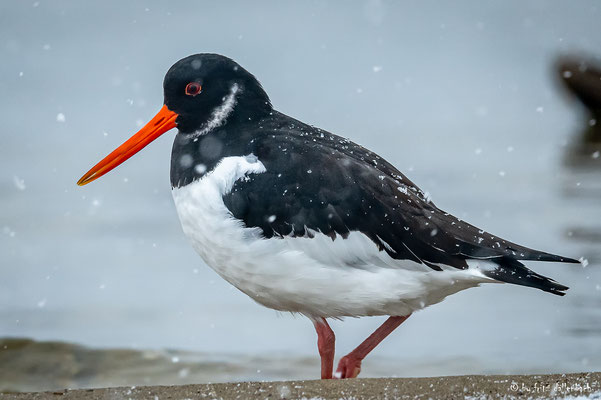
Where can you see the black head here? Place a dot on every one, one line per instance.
(202, 92)
(207, 89)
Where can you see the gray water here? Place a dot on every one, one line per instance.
(461, 96)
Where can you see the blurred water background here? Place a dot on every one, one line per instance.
(98, 285)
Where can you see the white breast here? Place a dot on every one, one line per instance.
(315, 276)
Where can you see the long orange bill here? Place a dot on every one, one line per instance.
(161, 123)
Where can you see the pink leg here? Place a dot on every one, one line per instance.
(325, 344)
(350, 365)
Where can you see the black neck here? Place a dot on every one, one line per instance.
(193, 156)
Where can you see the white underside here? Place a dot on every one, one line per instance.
(315, 276)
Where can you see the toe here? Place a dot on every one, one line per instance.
(348, 368)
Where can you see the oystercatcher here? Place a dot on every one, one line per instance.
(305, 221)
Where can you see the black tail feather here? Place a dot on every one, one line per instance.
(513, 271)
(534, 255)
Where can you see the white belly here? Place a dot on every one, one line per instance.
(315, 276)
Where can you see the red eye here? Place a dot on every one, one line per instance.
(193, 88)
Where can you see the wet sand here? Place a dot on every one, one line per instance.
(571, 386)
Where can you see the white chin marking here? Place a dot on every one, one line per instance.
(220, 114)
(317, 277)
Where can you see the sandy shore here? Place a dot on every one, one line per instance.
(570, 386)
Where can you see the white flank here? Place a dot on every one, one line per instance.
(318, 276)
(220, 114)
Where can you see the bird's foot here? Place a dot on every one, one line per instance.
(348, 367)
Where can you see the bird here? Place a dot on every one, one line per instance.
(308, 222)
(581, 76)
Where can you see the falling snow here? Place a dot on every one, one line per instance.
(285, 392)
(200, 168)
(19, 183)
(186, 160)
(60, 117)
(9, 232)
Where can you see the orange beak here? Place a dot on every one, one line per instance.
(161, 123)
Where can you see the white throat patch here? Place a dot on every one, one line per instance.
(220, 114)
